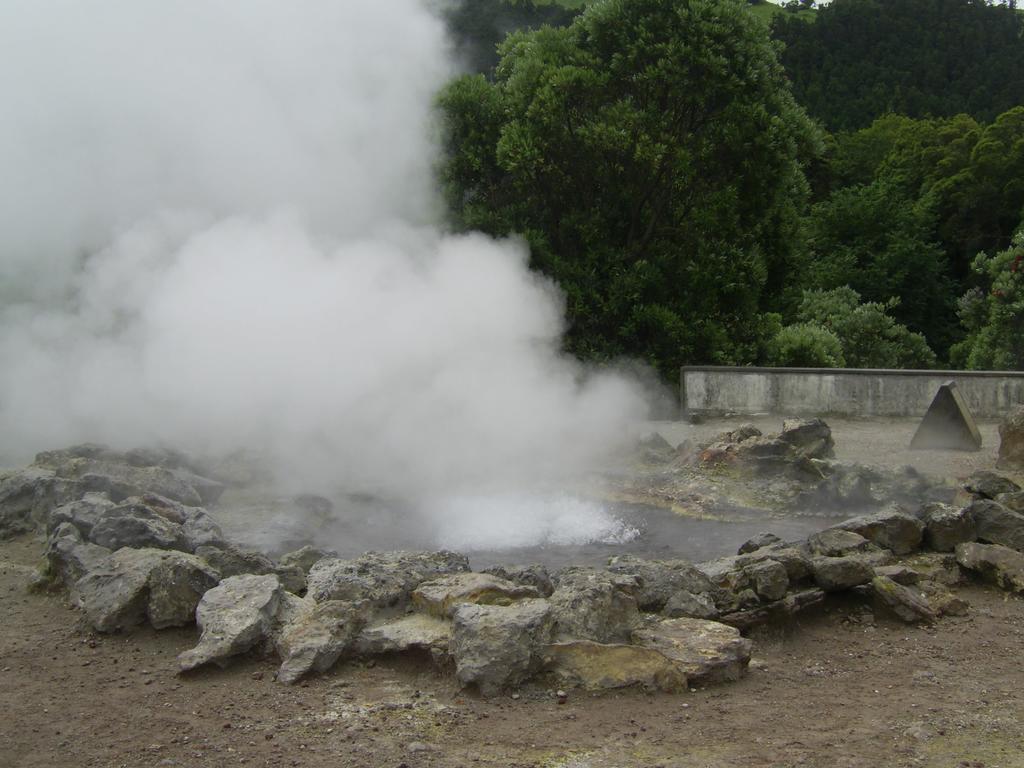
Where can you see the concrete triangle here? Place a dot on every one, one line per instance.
(948, 423)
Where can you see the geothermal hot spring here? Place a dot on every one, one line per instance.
(220, 231)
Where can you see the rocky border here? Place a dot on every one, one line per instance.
(129, 538)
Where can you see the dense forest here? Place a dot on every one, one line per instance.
(719, 181)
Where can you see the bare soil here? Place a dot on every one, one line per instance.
(841, 688)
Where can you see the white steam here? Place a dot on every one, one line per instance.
(216, 233)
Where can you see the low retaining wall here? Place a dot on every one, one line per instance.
(842, 391)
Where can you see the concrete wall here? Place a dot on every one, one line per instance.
(843, 391)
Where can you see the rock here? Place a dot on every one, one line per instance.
(890, 529)
(415, 632)
(986, 484)
(314, 642)
(532, 575)
(836, 542)
(1011, 440)
(705, 651)
(200, 530)
(591, 604)
(387, 580)
(496, 646)
(783, 609)
(659, 580)
(901, 574)
(137, 526)
(1012, 501)
(686, 604)
(133, 585)
(26, 498)
(905, 603)
(209, 490)
(759, 541)
(768, 579)
(83, 513)
(655, 449)
(122, 481)
(995, 524)
(1000, 565)
(230, 560)
(834, 574)
(811, 437)
(440, 597)
(69, 558)
(597, 666)
(304, 558)
(942, 601)
(940, 568)
(945, 526)
(54, 459)
(234, 617)
(741, 433)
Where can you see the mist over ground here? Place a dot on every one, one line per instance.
(218, 231)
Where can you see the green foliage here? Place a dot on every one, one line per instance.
(868, 336)
(994, 315)
(879, 242)
(653, 156)
(864, 58)
(477, 27)
(806, 345)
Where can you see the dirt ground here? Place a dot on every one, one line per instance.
(841, 689)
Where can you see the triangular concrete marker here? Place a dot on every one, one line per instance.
(948, 423)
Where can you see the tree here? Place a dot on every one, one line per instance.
(867, 335)
(923, 58)
(994, 314)
(652, 155)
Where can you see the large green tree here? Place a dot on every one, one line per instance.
(652, 155)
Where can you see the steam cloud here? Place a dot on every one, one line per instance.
(217, 231)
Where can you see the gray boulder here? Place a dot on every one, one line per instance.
(1000, 565)
(1012, 501)
(533, 575)
(891, 529)
(317, 639)
(937, 567)
(768, 579)
(27, 497)
(780, 610)
(133, 585)
(200, 530)
(685, 604)
(904, 602)
(837, 542)
(414, 632)
(705, 651)
(495, 646)
(995, 524)
(834, 574)
(658, 580)
(68, 557)
(234, 617)
(440, 597)
(121, 481)
(304, 558)
(810, 437)
(386, 580)
(230, 560)
(987, 484)
(946, 526)
(136, 525)
(758, 542)
(82, 513)
(591, 604)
